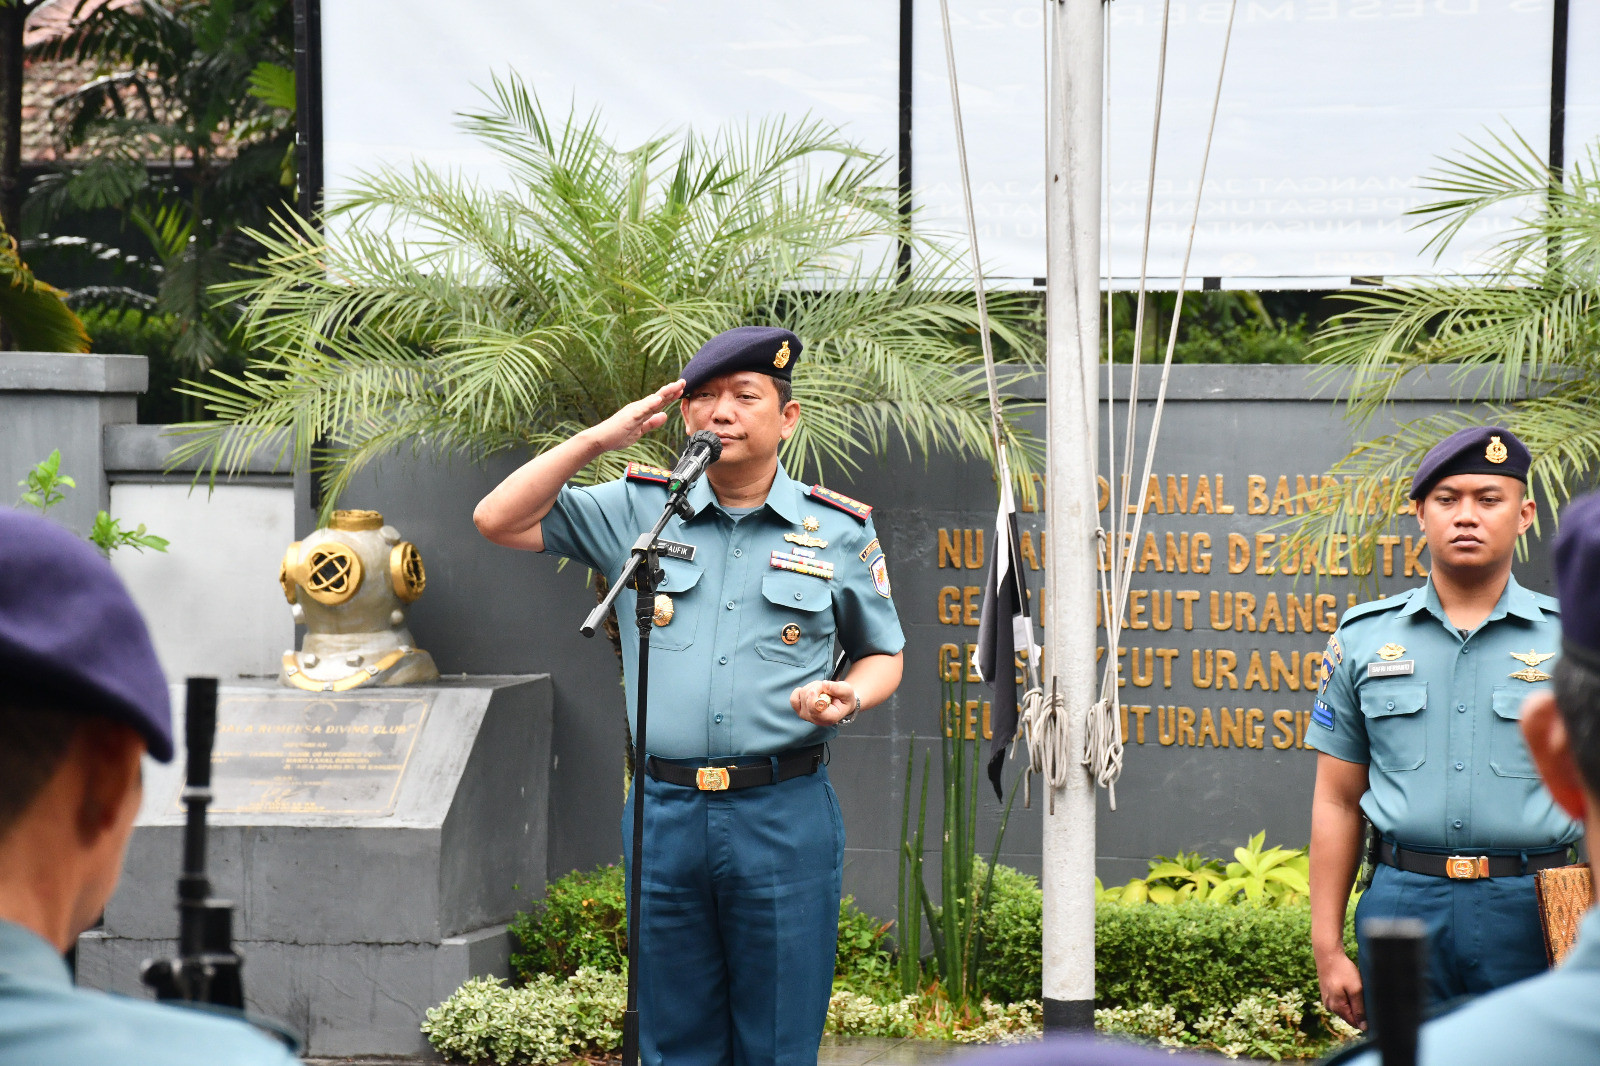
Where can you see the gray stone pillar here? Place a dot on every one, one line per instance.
(52, 400)
(364, 893)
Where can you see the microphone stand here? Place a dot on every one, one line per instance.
(643, 573)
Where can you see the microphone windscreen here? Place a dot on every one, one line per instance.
(712, 442)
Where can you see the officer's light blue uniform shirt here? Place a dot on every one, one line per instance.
(45, 1021)
(1552, 1019)
(721, 670)
(1435, 716)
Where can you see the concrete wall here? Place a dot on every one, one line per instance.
(209, 599)
(492, 610)
(51, 400)
(215, 605)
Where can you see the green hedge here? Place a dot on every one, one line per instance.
(1195, 957)
(1012, 933)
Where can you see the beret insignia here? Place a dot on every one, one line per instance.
(1496, 451)
(642, 472)
(854, 508)
(781, 360)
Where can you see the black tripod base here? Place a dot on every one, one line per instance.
(630, 1037)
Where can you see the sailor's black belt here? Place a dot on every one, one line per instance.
(796, 763)
(1469, 867)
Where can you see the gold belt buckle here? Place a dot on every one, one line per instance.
(711, 778)
(1466, 867)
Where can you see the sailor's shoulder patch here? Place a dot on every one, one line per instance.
(854, 508)
(641, 472)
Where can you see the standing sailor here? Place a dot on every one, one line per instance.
(744, 842)
(1416, 721)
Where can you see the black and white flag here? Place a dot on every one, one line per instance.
(1005, 628)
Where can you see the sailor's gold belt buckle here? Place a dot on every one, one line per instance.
(1466, 867)
(711, 778)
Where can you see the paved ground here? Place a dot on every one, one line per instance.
(835, 1051)
(881, 1051)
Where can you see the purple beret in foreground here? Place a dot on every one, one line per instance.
(1577, 564)
(1474, 450)
(762, 349)
(1082, 1050)
(70, 634)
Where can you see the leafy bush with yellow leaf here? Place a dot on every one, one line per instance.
(1259, 875)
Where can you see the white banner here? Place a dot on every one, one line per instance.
(1332, 110)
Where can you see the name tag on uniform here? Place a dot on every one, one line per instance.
(1394, 669)
(673, 550)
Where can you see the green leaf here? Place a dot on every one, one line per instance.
(273, 85)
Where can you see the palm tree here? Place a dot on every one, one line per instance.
(1521, 341)
(439, 312)
(196, 84)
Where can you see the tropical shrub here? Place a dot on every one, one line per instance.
(1198, 959)
(1013, 929)
(1268, 877)
(547, 1021)
(1266, 1025)
(581, 922)
(865, 963)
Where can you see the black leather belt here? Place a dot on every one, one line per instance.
(797, 763)
(1468, 867)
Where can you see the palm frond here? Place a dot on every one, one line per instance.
(450, 315)
(1520, 346)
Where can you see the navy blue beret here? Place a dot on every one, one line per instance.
(1577, 564)
(70, 636)
(1475, 450)
(763, 349)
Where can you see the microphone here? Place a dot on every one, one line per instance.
(703, 449)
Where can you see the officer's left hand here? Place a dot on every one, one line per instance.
(823, 702)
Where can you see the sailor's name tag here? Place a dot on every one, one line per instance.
(673, 550)
(1394, 669)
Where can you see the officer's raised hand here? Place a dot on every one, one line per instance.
(510, 515)
(635, 419)
(825, 703)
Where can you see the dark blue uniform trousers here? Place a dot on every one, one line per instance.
(740, 916)
(1482, 935)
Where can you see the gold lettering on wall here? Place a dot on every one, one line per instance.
(1161, 607)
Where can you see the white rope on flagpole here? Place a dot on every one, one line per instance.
(1042, 720)
(1028, 708)
(1125, 564)
(998, 424)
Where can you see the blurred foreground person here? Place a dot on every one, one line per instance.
(1552, 1019)
(82, 699)
(1084, 1050)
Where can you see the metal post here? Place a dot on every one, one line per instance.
(1072, 302)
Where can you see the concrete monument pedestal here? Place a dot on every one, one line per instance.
(374, 842)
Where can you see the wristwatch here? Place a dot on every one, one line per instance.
(847, 719)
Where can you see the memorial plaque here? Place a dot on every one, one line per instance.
(298, 754)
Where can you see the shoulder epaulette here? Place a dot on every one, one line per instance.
(854, 508)
(1361, 610)
(641, 472)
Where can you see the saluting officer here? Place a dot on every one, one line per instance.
(82, 699)
(744, 842)
(1417, 726)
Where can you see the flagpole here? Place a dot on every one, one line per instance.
(1072, 304)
